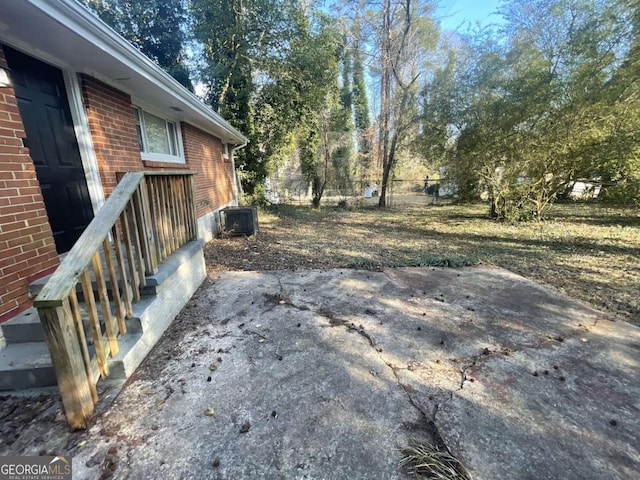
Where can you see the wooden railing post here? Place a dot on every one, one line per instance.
(191, 203)
(150, 216)
(67, 358)
(145, 224)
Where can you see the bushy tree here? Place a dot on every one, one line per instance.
(542, 104)
(267, 67)
(158, 28)
(325, 141)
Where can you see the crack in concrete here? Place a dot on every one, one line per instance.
(486, 353)
(282, 299)
(275, 299)
(360, 330)
(302, 308)
(279, 279)
(463, 370)
(262, 337)
(429, 419)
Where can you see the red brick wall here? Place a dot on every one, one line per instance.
(26, 242)
(27, 249)
(113, 130)
(213, 182)
(115, 141)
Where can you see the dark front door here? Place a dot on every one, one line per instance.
(51, 140)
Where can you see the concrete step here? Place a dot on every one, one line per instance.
(26, 365)
(36, 286)
(24, 328)
(155, 282)
(128, 358)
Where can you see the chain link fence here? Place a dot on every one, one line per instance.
(400, 192)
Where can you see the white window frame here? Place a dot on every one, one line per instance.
(159, 157)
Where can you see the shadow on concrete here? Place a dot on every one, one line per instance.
(332, 372)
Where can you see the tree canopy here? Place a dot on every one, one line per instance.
(524, 110)
(158, 28)
(517, 111)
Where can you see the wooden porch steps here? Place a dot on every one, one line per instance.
(24, 357)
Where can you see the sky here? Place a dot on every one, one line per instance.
(457, 14)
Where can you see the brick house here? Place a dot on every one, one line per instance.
(79, 107)
(109, 94)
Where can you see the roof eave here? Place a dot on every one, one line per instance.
(85, 24)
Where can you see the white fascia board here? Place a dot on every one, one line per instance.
(75, 17)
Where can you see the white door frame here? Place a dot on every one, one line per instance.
(78, 117)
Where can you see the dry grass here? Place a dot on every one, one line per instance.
(587, 251)
(429, 462)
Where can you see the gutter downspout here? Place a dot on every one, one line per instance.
(236, 185)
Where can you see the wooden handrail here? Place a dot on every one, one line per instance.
(147, 217)
(79, 257)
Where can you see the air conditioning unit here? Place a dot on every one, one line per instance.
(239, 221)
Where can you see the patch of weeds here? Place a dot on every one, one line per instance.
(438, 261)
(429, 461)
(362, 263)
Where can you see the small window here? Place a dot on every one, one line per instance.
(157, 137)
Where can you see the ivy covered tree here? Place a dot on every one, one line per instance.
(359, 93)
(342, 127)
(325, 139)
(362, 122)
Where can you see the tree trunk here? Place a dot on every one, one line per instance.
(386, 171)
(385, 98)
(319, 184)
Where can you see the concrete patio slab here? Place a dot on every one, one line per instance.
(329, 374)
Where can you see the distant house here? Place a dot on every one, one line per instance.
(585, 190)
(79, 108)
